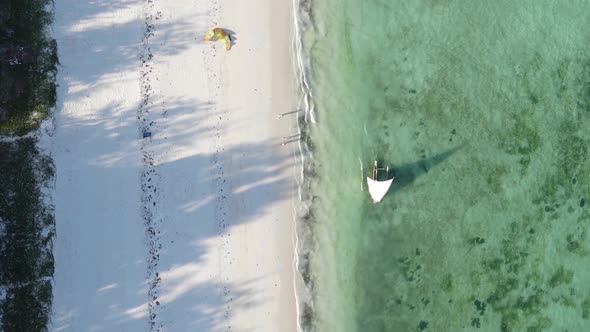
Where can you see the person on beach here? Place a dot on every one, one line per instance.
(219, 34)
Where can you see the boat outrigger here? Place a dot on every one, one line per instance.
(378, 183)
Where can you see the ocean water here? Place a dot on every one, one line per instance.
(482, 109)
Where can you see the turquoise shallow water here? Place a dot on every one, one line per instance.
(482, 108)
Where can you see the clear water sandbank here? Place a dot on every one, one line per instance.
(482, 109)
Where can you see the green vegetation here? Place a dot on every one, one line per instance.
(27, 230)
(28, 65)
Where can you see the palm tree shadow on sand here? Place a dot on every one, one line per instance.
(407, 173)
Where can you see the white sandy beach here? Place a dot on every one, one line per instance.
(192, 228)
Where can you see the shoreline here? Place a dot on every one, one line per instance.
(303, 233)
(263, 49)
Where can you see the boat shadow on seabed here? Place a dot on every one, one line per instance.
(407, 173)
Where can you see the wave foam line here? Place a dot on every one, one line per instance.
(302, 215)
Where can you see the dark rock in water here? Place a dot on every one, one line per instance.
(422, 325)
(574, 180)
(417, 251)
(412, 91)
(480, 306)
(582, 202)
(453, 132)
(476, 240)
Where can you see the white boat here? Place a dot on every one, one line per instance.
(379, 185)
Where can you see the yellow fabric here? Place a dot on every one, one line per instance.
(219, 34)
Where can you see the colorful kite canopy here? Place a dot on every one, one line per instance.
(219, 34)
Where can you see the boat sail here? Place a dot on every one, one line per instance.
(378, 188)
